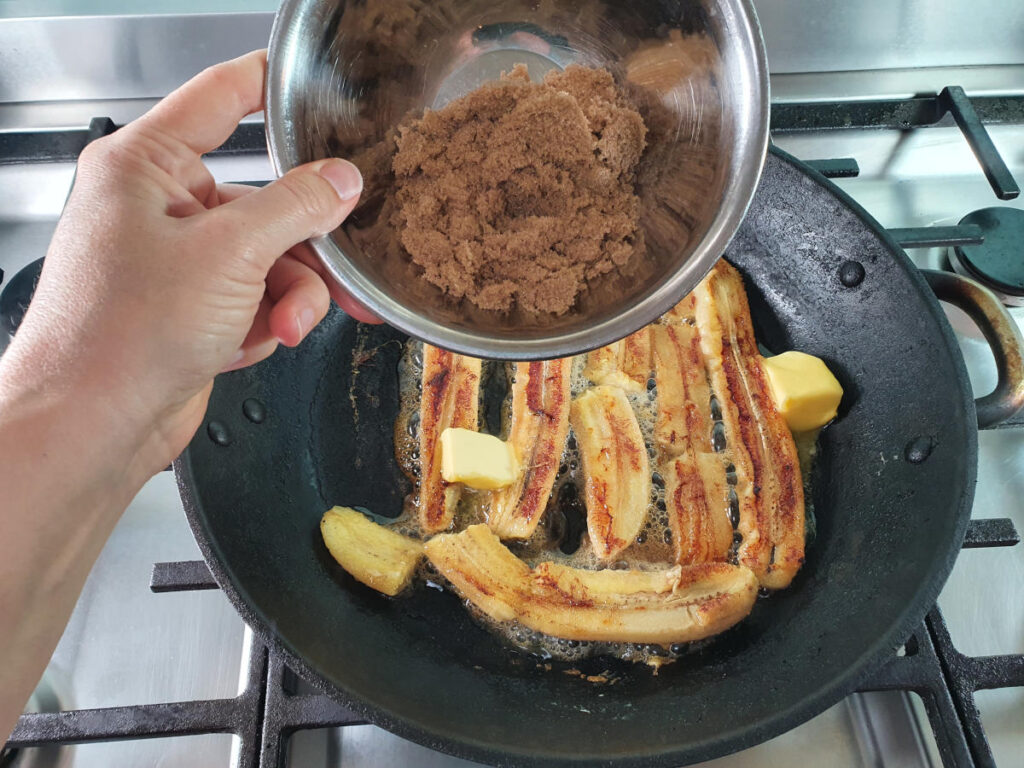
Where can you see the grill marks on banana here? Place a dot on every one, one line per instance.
(684, 398)
(451, 398)
(538, 431)
(696, 490)
(760, 444)
(636, 356)
(697, 495)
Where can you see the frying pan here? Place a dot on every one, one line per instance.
(891, 490)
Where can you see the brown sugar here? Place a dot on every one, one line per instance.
(520, 193)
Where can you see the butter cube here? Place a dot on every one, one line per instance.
(805, 391)
(476, 459)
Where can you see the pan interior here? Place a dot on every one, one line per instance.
(887, 529)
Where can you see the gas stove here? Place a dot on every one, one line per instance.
(155, 666)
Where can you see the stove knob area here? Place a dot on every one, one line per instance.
(16, 295)
(998, 262)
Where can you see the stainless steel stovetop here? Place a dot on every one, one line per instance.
(125, 645)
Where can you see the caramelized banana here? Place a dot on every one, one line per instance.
(625, 363)
(683, 312)
(697, 499)
(696, 492)
(603, 363)
(616, 472)
(373, 554)
(636, 360)
(760, 445)
(684, 398)
(677, 605)
(539, 427)
(451, 395)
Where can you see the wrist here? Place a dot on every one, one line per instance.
(56, 423)
(66, 476)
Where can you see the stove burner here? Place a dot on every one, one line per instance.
(17, 294)
(998, 262)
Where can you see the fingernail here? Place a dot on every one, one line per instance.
(235, 360)
(344, 177)
(304, 321)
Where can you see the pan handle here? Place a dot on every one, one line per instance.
(1001, 333)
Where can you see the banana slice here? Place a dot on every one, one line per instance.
(373, 554)
(539, 427)
(684, 397)
(760, 445)
(636, 356)
(451, 398)
(696, 492)
(697, 499)
(616, 471)
(625, 363)
(603, 362)
(683, 312)
(678, 605)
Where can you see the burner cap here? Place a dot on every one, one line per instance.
(999, 261)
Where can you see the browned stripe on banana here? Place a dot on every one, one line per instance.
(547, 397)
(777, 478)
(633, 458)
(636, 360)
(761, 446)
(696, 492)
(777, 484)
(539, 428)
(451, 394)
(697, 495)
(683, 312)
(684, 398)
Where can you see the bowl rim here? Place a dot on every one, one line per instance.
(751, 146)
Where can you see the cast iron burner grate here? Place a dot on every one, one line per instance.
(263, 716)
(268, 711)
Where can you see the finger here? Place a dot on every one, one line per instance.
(259, 342)
(185, 187)
(226, 192)
(204, 111)
(341, 297)
(251, 355)
(309, 200)
(300, 300)
(354, 309)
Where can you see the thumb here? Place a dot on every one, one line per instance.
(310, 200)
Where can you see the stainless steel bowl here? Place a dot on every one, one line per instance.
(342, 74)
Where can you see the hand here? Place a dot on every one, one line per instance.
(158, 278)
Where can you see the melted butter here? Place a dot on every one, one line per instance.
(807, 451)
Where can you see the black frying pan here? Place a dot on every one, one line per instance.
(892, 490)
